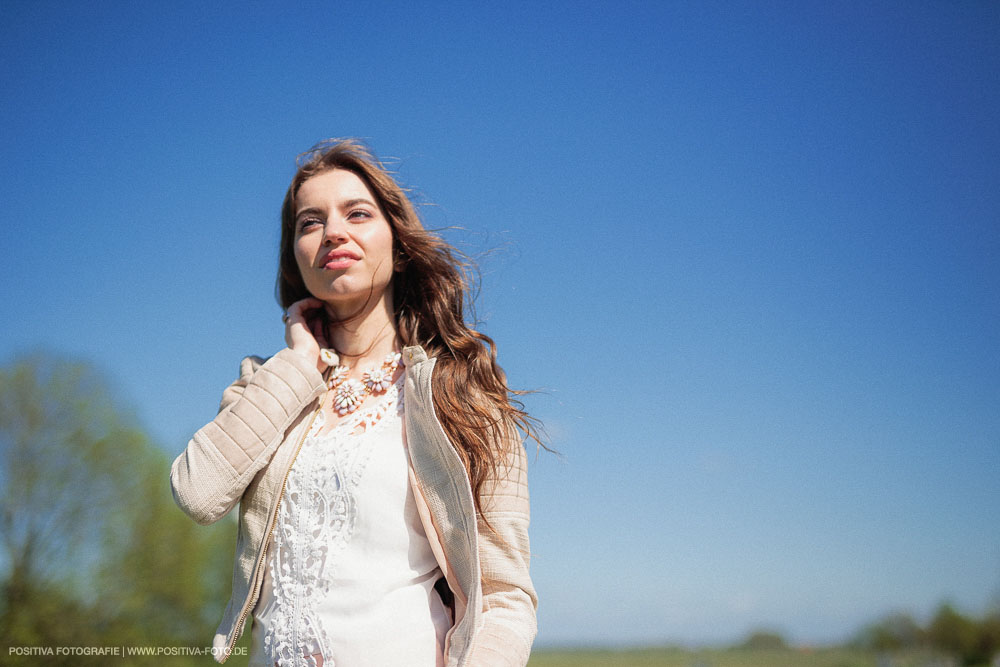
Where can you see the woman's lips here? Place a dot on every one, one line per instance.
(339, 263)
(338, 259)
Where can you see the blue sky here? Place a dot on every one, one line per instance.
(748, 250)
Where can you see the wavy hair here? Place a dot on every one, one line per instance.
(431, 288)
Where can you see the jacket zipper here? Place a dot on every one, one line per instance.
(238, 630)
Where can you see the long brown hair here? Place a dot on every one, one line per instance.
(431, 289)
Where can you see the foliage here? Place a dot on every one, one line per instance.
(764, 640)
(893, 632)
(735, 657)
(973, 641)
(94, 551)
(952, 631)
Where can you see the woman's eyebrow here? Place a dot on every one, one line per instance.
(311, 209)
(354, 202)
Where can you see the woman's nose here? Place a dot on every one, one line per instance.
(335, 231)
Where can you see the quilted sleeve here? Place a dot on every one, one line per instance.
(509, 626)
(221, 459)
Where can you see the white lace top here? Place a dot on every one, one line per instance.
(349, 572)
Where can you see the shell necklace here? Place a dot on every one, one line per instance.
(348, 393)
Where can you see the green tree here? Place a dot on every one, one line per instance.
(986, 645)
(893, 632)
(65, 457)
(764, 640)
(94, 551)
(170, 576)
(953, 632)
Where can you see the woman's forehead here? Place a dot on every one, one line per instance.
(334, 185)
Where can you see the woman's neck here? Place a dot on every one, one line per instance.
(368, 337)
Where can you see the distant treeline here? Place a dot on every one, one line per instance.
(974, 639)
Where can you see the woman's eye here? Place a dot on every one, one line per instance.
(358, 214)
(307, 222)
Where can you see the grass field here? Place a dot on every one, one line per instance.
(676, 657)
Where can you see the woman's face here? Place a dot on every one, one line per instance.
(343, 242)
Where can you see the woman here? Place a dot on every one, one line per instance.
(376, 460)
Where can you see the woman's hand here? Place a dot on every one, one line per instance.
(304, 330)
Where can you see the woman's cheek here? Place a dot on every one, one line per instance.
(301, 258)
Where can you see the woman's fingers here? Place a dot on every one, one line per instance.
(297, 311)
(304, 330)
(299, 328)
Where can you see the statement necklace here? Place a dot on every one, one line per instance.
(348, 393)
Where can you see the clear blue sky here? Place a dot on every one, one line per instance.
(748, 249)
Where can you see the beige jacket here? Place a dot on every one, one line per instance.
(244, 454)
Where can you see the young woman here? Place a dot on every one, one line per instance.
(376, 460)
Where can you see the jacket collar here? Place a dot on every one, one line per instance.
(413, 354)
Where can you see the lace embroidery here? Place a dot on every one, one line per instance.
(315, 523)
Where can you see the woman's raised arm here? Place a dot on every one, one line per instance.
(221, 459)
